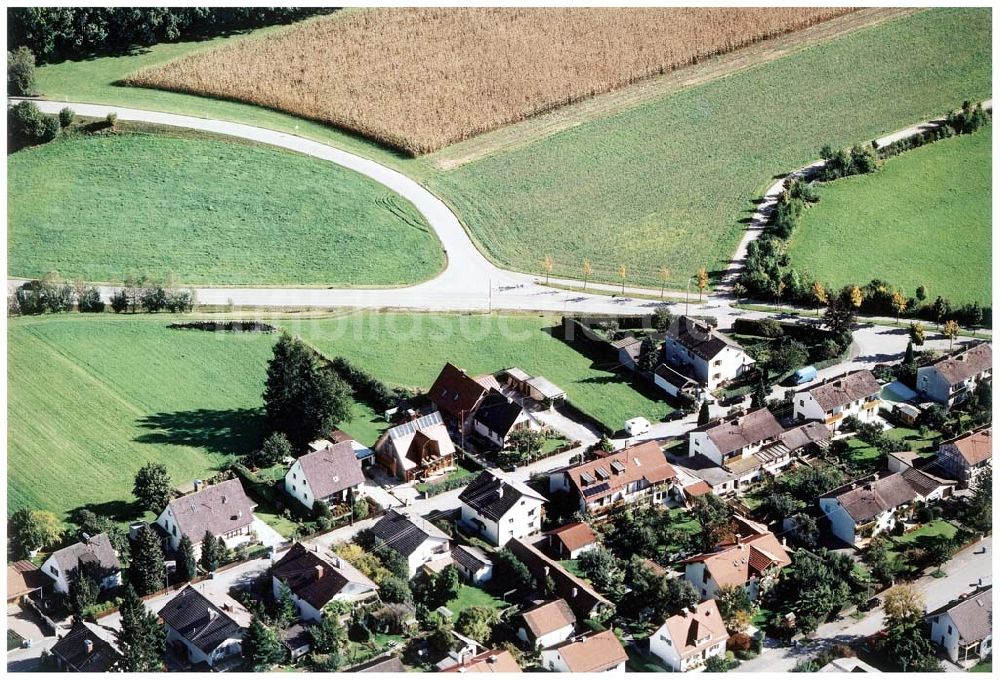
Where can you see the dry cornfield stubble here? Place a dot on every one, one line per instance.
(420, 79)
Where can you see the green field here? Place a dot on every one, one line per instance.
(469, 596)
(93, 398)
(102, 206)
(922, 219)
(666, 184)
(410, 350)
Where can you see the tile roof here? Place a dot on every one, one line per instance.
(967, 364)
(201, 621)
(498, 413)
(972, 616)
(492, 494)
(843, 389)
(332, 469)
(455, 393)
(23, 577)
(391, 664)
(574, 536)
(694, 631)
(869, 497)
(405, 532)
(317, 578)
(469, 557)
(103, 655)
(549, 617)
(95, 553)
(697, 336)
(626, 341)
(591, 653)
(975, 447)
(699, 488)
(218, 509)
(604, 476)
(581, 596)
(803, 435)
(736, 432)
(678, 376)
(490, 661)
(735, 564)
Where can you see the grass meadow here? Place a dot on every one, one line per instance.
(922, 219)
(100, 206)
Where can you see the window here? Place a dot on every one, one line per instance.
(55, 572)
(704, 576)
(293, 487)
(949, 630)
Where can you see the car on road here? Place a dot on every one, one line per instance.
(871, 604)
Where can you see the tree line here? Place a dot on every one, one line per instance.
(51, 295)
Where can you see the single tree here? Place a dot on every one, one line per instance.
(477, 623)
(275, 449)
(856, 296)
(701, 280)
(153, 488)
(141, 638)
(703, 413)
(950, 331)
(906, 643)
(979, 513)
(287, 612)
(839, 315)
(908, 357)
(213, 552)
(899, 303)
(941, 309)
(547, 265)
(921, 293)
(21, 73)
(31, 530)
(261, 647)
(83, 593)
(328, 635)
(664, 276)
(147, 570)
(622, 273)
(66, 117)
(819, 295)
(739, 291)
(649, 355)
(758, 398)
(662, 317)
(917, 333)
(806, 529)
(187, 563)
(587, 271)
(605, 571)
(732, 600)
(510, 573)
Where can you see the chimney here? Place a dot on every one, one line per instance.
(575, 591)
(212, 614)
(694, 608)
(500, 490)
(546, 570)
(319, 572)
(225, 499)
(88, 646)
(875, 477)
(197, 484)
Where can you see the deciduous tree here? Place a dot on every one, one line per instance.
(547, 265)
(899, 303)
(21, 73)
(950, 331)
(701, 279)
(587, 272)
(153, 488)
(32, 530)
(917, 333)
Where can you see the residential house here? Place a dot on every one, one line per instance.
(315, 579)
(332, 475)
(588, 653)
(500, 508)
(457, 395)
(94, 556)
(547, 624)
(205, 626)
(472, 563)
(498, 416)
(746, 445)
(585, 602)
(964, 629)
(951, 380)
(629, 348)
(490, 661)
(848, 664)
(752, 561)
(87, 648)
(965, 458)
(222, 509)
(536, 387)
(687, 640)
(413, 537)
(862, 509)
(830, 402)
(416, 449)
(24, 579)
(697, 349)
(570, 541)
(636, 475)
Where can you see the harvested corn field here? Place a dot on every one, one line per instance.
(420, 79)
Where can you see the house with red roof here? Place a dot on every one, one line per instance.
(687, 640)
(965, 458)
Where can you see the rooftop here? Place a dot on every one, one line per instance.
(696, 628)
(739, 431)
(697, 336)
(966, 364)
(332, 469)
(404, 532)
(492, 494)
(601, 477)
(218, 509)
(549, 617)
(844, 389)
(592, 652)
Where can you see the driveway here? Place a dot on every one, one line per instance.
(265, 534)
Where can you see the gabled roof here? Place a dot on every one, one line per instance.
(218, 509)
(972, 616)
(23, 578)
(317, 578)
(733, 564)
(498, 413)
(103, 655)
(583, 599)
(405, 532)
(626, 341)
(693, 631)
(813, 432)
(736, 432)
(95, 553)
(455, 393)
(201, 621)
(548, 618)
(433, 440)
(332, 469)
(604, 476)
(681, 377)
(964, 365)
(869, 497)
(574, 536)
(492, 494)
(591, 653)
(975, 447)
(390, 664)
(470, 557)
(697, 336)
(843, 389)
(490, 661)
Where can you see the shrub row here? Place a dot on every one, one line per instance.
(968, 120)
(226, 326)
(446, 485)
(366, 386)
(53, 296)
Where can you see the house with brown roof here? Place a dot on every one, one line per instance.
(332, 474)
(588, 653)
(317, 578)
(547, 624)
(851, 394)
(964, 629)
(24, 579)
(965, 458)
(499, 507)
(571, 540)
(752, 561)
(687, 640)
(417, 449)
(951, 380)
(94, 556)
(222, 509)
(457, 395)
(865, 508)
(499, 416)
(697, 349)
(632, 476)
(745, 444)
(490, 661)
(585, 602)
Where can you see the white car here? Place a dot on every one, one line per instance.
(636, 426)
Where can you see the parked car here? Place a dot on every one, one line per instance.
(636, 426)
(873, 603)
(804, 375)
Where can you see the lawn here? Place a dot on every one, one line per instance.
(93, 398)
(668, 182)
(410, 350)
(101, 206)
(469, 596)
(982, 667)
(934, 528)
(891, 221)
(460, 472)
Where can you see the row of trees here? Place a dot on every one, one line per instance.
(52, 294)
(141, 293)
(54, 33)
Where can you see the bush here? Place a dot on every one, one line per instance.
(21, 73)
(111, 119)
(739, 642)
(66, 117)
(119, 301)
(366, 386)
(90, 300)
(445, 485)
(27, 125)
